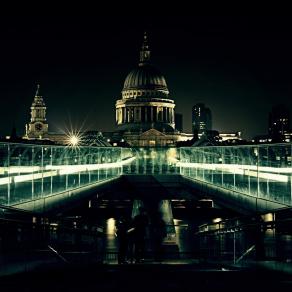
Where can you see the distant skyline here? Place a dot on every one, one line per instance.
(238, 66)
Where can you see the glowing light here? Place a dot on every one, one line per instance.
(271, 173)
(217, 220)
(55, 170)
(110, 226)
(74, 140)
(171, 155)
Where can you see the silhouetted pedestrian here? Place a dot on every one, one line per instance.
(158, 233)
(140, 223)
(122, 239)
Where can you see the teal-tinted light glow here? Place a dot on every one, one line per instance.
(56, 170)
(261, 171)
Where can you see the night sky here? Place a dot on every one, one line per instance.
(239, 66)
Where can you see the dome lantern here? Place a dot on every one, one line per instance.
(145, 52)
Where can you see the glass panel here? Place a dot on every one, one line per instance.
(30, 172)
(33, 171)
(4, 175)
(262, 171)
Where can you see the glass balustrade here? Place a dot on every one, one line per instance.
(262, 171)
(29, 172)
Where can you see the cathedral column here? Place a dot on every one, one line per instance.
(131, 114)
(135, 114)
(151, 113)
(140, 114)
(119, 115)
(127, 114)
(146, 112)
(123, 114)
(159, 115)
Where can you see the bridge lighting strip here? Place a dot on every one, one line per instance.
(246, 170)
(214, 166)
(55, 170)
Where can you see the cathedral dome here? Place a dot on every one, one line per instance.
(145, 76)
(145, 102)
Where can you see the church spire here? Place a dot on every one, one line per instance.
(144, 52)
(38, 126)
(37, 93)
(38, 107)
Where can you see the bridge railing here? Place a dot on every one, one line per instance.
(262, 171)
(151, 160)
(29, 172)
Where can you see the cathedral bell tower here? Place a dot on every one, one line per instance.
(38, 126)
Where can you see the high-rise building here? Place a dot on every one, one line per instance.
(279, 119)
(201, 118)
(178, 118)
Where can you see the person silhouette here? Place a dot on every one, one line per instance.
(122, 240)
(158, 233)
(140, 223)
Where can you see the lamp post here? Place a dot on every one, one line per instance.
(234, 247)
(234, 243)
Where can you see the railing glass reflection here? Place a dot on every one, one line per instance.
(29, 172)
(152, 161)
(262, 171)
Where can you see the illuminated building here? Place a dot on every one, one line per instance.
(212, 138)
(38, 126)
(279, 126)
(37, 129)
(145, 113)
(201, 118)
(279, 121)
(233, 137)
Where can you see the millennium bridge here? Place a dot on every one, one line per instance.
(226, 208)
(258, 177)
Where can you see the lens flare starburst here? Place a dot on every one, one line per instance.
(74, 139)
